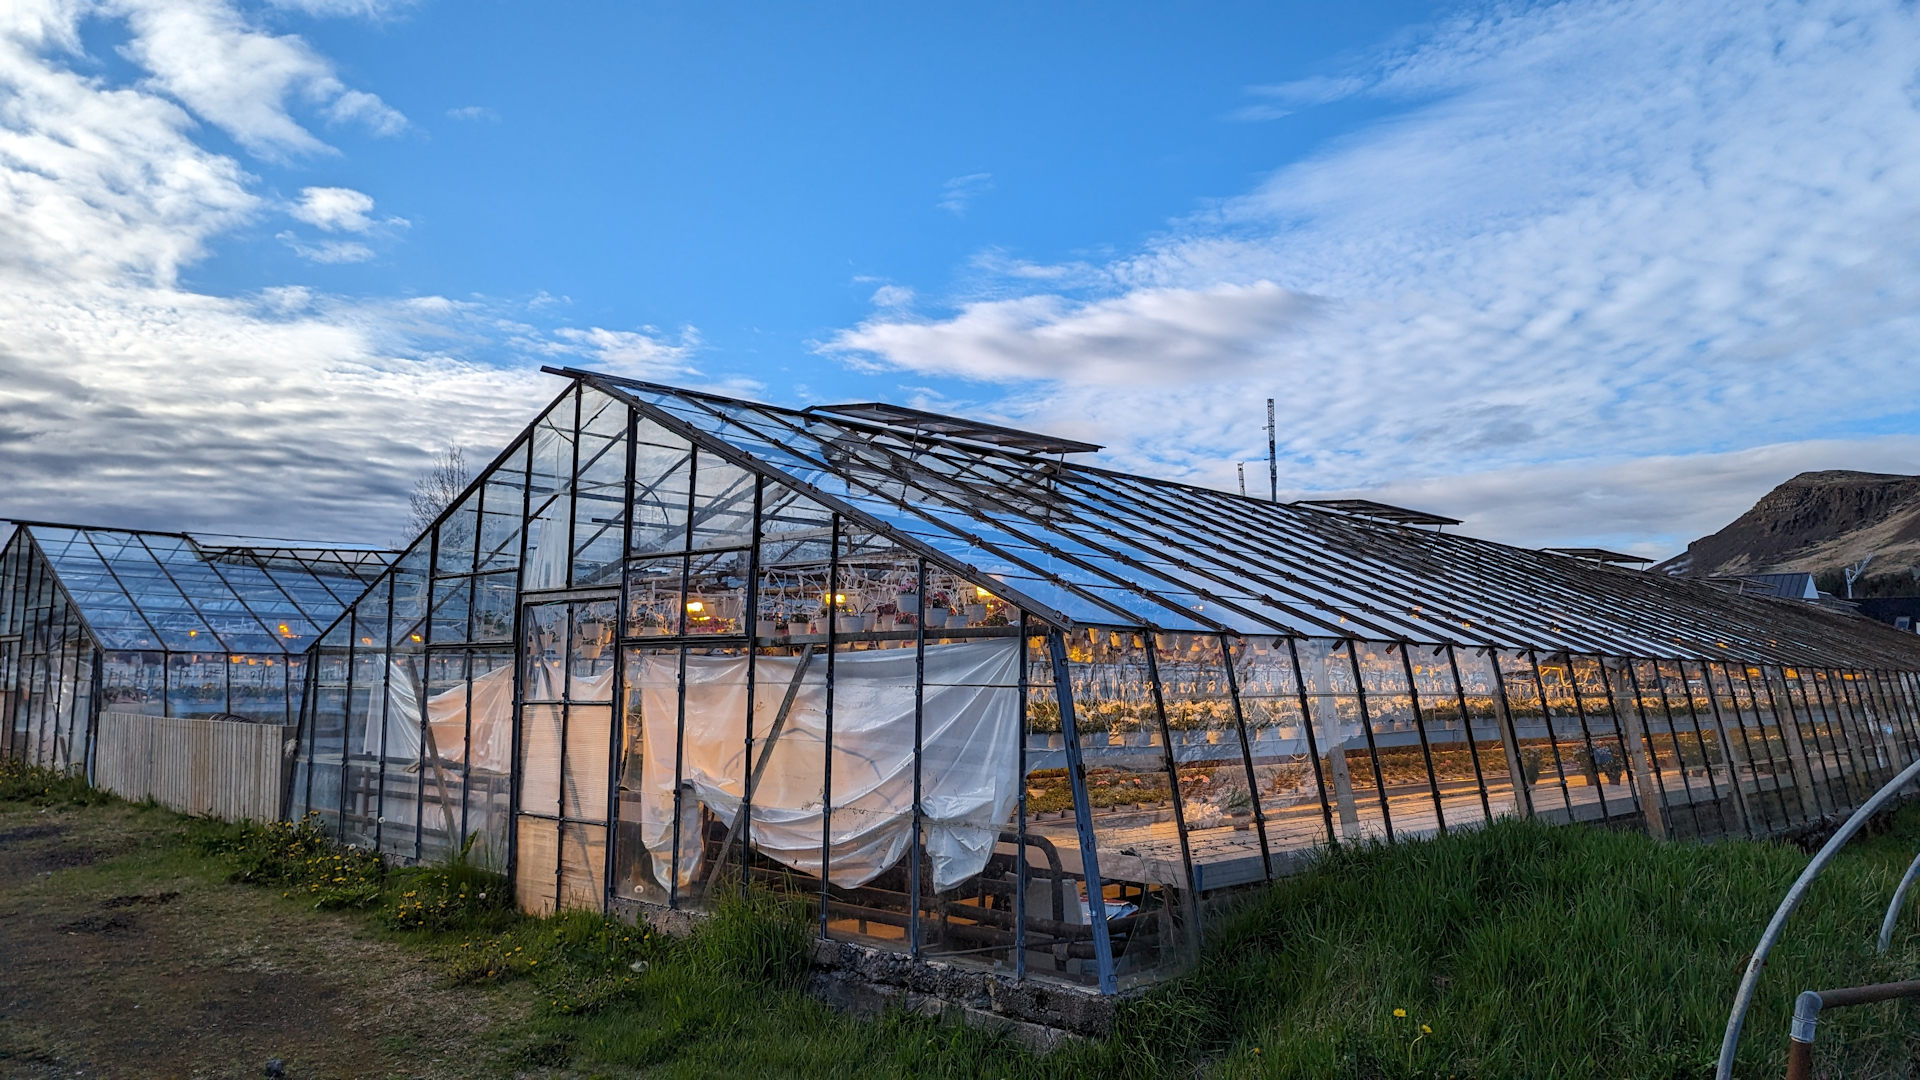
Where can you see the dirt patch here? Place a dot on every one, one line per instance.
(126, 955)
(22, 833)
(96, 924)
(140, 900)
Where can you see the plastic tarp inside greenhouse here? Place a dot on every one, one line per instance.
(969, 773)
(447, 720)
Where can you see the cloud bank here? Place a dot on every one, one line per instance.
(1590, 234)
(126, 398)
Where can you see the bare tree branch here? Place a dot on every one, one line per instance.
(436, 490)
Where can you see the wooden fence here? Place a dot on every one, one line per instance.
(222, 768)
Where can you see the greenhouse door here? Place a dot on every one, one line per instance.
(565, 726)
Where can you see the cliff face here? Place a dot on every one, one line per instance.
(1818, 522)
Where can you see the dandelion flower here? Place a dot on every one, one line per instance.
(1401, 1013)
(1425, 1030)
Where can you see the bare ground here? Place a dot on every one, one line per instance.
(123, 955)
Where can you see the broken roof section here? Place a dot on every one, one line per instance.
(140, 590)
(1080, 545)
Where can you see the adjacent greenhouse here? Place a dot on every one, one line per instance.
(982, 702)
(156, 623)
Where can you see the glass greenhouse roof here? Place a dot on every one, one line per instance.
(147, 590)
(1080, 545)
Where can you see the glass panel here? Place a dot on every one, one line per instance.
(257, 688)
(599, 522)
(1143, 863)
(1542, 772)
(722, 504)
(1355, 782)
(459, 533)
(1479, 696)
(451, 602)
(662, 476)
(656, 604)
(1216, 788)
(134, 682)
(494, 597)
(1287, 776)
(652, 683)
(502, 511)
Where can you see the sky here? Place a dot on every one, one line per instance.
(1579, 273)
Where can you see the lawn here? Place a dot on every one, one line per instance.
(137, 942)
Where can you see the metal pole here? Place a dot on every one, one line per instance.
(1313, 748)
(1466, 725)
(1420, 725)
(1893, 909)
(1246, 754)
(1020, 816)
(919, 734)
(1082, 812)
(826, 769)
(1806, 1017)
(1366, 728)
(1743, 999)
(1173, 780)
(1273, 456)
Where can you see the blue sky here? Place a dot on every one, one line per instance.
(760, 174)
(1598, 271)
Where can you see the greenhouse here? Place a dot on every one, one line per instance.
(156, 623)
(982, 702)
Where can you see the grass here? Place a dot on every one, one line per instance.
(35, 786)
(1518, 950)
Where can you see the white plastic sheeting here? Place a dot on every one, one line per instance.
(492, 729)
(969, 770)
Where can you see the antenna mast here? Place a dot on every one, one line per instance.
(1273, 458)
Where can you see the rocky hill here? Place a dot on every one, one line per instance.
(1820, 522)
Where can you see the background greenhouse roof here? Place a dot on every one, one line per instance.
(1082, 545)
(147, 590)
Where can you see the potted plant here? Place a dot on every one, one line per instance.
(909, 600)
(593, 637)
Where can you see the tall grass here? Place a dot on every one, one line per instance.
(1517, 950)
(1526, 950)
(21, 782)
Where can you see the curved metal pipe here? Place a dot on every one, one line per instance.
(1893, 909)
(1751, 980)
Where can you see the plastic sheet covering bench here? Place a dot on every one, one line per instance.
(969, 767)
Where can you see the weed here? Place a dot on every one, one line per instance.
(37, 786)
(298, 855)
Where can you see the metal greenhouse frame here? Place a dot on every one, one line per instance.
(158, 623)
(982, 702)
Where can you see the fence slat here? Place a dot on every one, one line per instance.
(222, 768)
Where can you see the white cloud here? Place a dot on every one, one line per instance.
(477, 113)
(892, 296)
(638, 354)
(334, 209)
(125, 398)
(358, 106)
(212, 59)
(327, 251)
(1596, 232)
(958, 193)
(1149, 335)
(364, 9)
